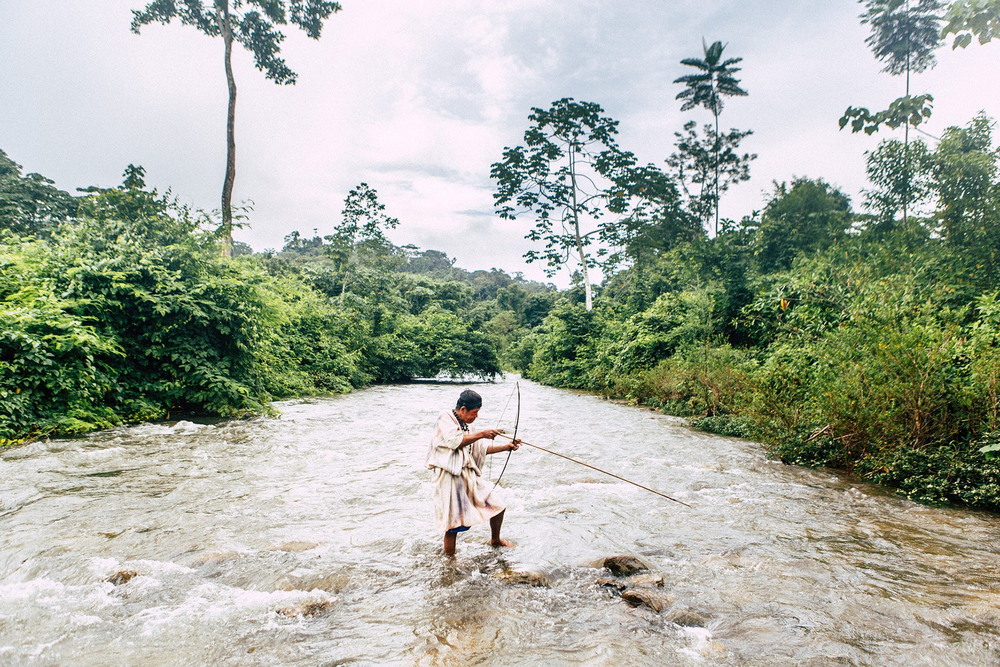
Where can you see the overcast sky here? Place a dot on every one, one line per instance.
(419, 98)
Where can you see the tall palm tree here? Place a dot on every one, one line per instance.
(706, 88)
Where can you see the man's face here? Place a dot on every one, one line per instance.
(467, 415)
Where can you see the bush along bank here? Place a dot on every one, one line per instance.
(879, 356)
(123, 309)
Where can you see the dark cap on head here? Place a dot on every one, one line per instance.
(469, 400)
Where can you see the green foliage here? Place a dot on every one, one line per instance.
(55, 370)
(673, 321)
(904, 33)
(965, 180)
(728, 425)
(585, 194)
(707, 165)
(981, 359)
(254, 24)
(699, 380)
(890, 380)
(810, 215)
(948, 473)
(989, 444)
(972, 18)
(713, 80)
(30, 205)
(359, 238)
(696, 159)
(430, 343)
(309, 346)
(564, 353)
(432, 262)
(901, 176)
(129, 312)
(906, 110)
(189, 325)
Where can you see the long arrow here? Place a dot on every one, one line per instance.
(587, 465)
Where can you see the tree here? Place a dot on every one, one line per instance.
(570, 173)
(904, 36)
(433, 262)
(253, 24)
(714, 80)
(655, 220)
(807, 216)
(965, 168)
(31, 205)
(708, 165)
(361, 231)
(900, 174)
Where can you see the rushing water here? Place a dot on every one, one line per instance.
(308, 540)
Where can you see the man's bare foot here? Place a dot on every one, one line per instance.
(501, 543)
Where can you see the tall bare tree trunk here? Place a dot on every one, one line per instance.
(717, 173)
(588, 295)
(906, 147)
(227, 185)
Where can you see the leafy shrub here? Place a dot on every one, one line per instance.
(674, 320)
(699, 380)
(427, 344)
(188, 323)
(728, 425)
(308, 346)
(942, 474)
(54, 370)
(564, 352)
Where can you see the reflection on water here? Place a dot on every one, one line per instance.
(309, 540)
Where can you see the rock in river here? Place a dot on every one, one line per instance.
(623, 566)
(528, 578)
(647, 597)
(308, 608)
(122, 577)
(646, 580)
(687, 617)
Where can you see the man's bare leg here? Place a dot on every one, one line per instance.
(449, 543)
(495, 523)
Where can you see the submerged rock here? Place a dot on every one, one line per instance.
(528, 578)
(296, 545)
(647, 597)
(213, 557)
(623, 566)
(608, 582)
(122, 577)
(687, 617)
(648, 580)
(310, 608)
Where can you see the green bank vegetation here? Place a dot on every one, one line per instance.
(864, 341)
(118, 306)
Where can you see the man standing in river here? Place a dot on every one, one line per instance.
(461, 497)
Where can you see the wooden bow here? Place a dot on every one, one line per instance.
(517, 421)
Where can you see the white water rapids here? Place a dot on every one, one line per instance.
(308, 540)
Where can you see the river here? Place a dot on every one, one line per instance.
(308, 539)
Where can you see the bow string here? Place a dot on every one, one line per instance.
(517, 421)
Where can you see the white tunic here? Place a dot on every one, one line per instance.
(461, 496)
